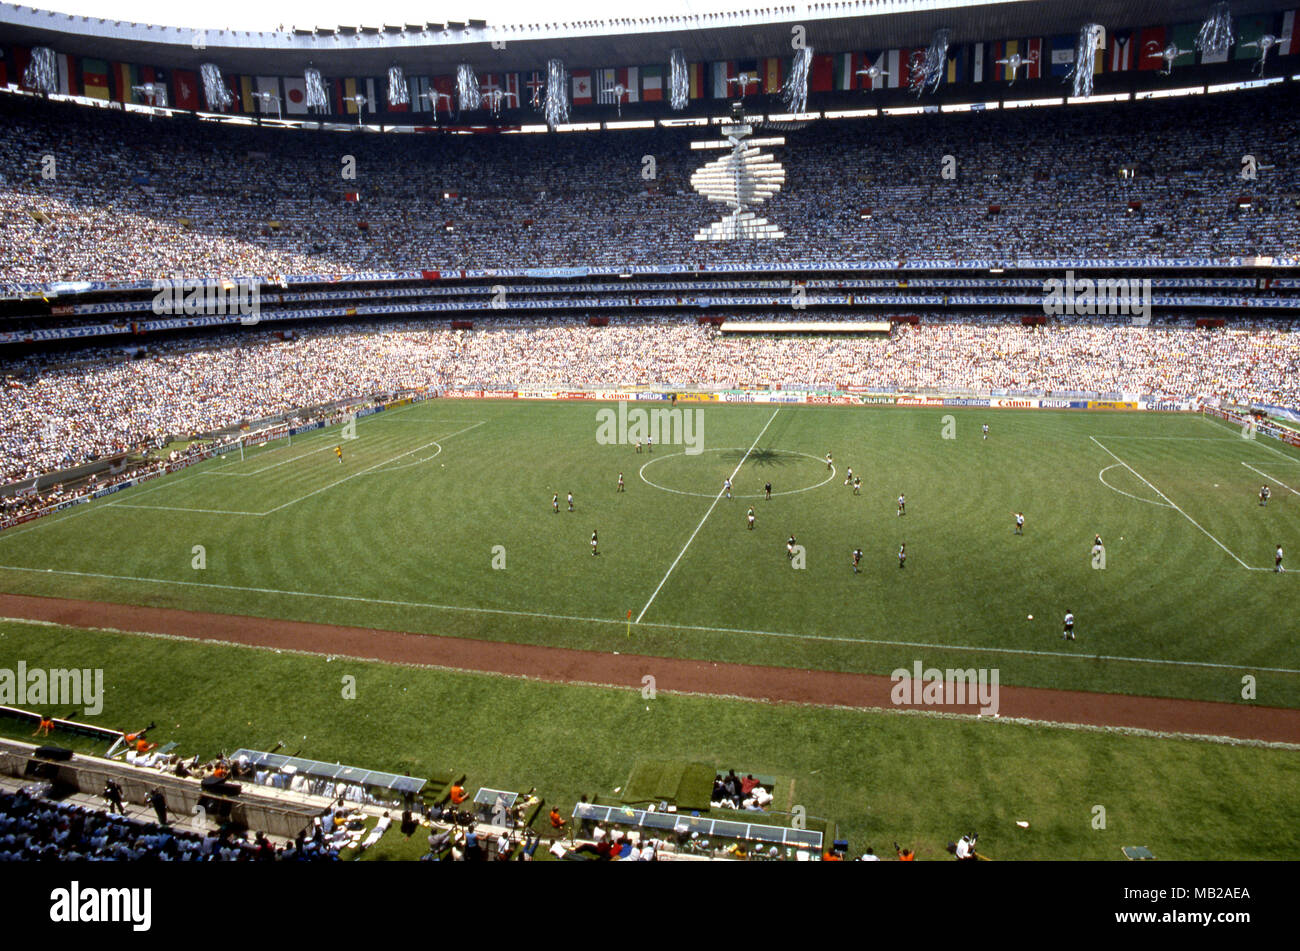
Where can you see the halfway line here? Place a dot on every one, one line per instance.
(706, 515)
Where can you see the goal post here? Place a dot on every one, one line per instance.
(265, 437)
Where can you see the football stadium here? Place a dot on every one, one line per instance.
(826, 432)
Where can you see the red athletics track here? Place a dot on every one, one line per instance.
(564, 665)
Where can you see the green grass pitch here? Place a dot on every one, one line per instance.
(881, 777)
(410, 531)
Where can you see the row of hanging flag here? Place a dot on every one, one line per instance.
(1161, 48)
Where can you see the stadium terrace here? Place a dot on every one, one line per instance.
(559, 441)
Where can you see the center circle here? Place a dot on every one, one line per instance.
(750, 456)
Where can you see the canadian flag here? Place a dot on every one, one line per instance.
(582, 87)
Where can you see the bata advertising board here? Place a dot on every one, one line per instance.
(908, 400)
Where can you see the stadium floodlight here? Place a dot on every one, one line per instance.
(265, 97)
(156, 93)
(493, 97)
(1265, 43)
(744, 81)
(1015, 61)
(618, 91)
(360, 100)
(872, 73)
(434, 98)
(1169, 54)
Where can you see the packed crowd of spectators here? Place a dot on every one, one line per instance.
(131, 198)
(33, 828)
(103, 401)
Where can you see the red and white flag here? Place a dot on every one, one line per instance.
(1121, 53)
(582, 87)
(1033, 58)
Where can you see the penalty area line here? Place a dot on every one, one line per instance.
(377, 465)
(1170, 502)
(1270, 478)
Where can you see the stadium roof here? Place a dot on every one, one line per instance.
(370, 49)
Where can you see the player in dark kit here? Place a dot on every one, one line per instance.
(767, 490)
(857, 558)
(593, 544)
(789, 548)
(1264, 494)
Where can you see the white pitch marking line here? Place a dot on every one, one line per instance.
(1122, 492)
(1261, 443)
(661, 624)
(368, 468)
(1171, 504)
(705, 495)
(1270, 478)
(137, 491)
(706, 516)
(179, 508)
(893, 711)
(274, 465)
(51, 519)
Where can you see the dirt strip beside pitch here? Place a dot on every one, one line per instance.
(565, 665)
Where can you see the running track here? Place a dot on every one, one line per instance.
(564, 665)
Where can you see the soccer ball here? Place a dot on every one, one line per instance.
(1031, 617)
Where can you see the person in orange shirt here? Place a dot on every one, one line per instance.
(46, 727)
(904, 855)
(557, 820)
(458, 794)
